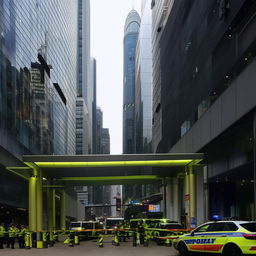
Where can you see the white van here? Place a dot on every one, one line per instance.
(86, 229)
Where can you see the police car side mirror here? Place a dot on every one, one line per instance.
(192, 233)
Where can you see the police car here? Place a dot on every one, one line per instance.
(230, 238)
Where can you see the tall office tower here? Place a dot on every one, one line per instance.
(143, 83)
(84, 81)
(105, 141)
(94, 106)
(38, 88)
(131, 31)
(208, 63)
(99, 126)
(160, 8)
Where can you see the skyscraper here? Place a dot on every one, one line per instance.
(84, 81)
(38, 88)
(143, 83)
(131, 31)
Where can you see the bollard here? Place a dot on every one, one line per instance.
(39, 240)
(45, 239)
(28, 240)
(71, 239)
(168, 242)
(138, 238)
(76, 239)
(100, 242)
(51, 242)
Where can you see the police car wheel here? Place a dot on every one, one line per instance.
(183, 250)
(232, 250)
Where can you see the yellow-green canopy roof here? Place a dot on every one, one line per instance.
(107, 169)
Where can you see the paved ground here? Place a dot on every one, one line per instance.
(91, 248)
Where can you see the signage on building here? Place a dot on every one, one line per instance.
(154, 208)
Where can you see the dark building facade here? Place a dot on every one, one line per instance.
(207, 63)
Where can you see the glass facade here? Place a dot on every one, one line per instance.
(85, 79)
(38, 75)
(143, 84)
(132, 26)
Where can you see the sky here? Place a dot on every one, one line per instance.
(107, 32)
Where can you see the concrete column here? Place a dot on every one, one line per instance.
(192, 198)
(32, 204)
(175, 201)
(169, 203)
(39, 202)
(63, 210)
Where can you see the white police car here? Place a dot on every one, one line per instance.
(228, 238)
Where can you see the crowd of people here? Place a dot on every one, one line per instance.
(9, 234)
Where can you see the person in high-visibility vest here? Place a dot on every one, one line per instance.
(141, 231)
(28, 238)
(21, 236)
(116, 241)
(12, 235)
(2, 235)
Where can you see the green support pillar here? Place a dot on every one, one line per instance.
(32, 204)
(192, 199)
(39, 202)
(63, 210)
(51, 209)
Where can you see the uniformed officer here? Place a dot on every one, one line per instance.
(2, 234)
(141, 231)
(21, 236)
(12, 235)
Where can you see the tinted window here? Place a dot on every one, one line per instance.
(250, 226)
(230, 226)
(217, 227)
(87, 225)
(203, 228)
(75, 225)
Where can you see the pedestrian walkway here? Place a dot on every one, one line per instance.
(91, 248)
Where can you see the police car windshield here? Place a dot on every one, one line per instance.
(250, 226)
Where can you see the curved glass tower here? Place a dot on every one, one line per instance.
(131, 31)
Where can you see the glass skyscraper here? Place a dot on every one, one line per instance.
(143, 83)
(38, 76)
(84, 113)
(131, 31)
(38, 60)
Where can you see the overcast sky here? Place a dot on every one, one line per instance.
(107, 31)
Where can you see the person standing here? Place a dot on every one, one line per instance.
(12, 234)
(21, 236)
(2, 235)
